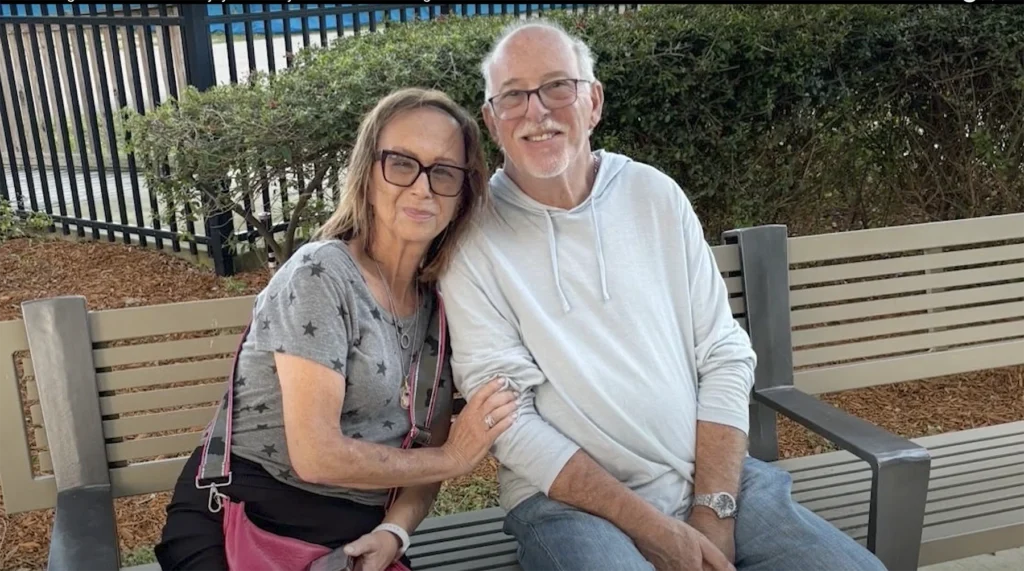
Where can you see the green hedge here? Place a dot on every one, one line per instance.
(824, 118)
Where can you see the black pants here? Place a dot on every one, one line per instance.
(194, 539)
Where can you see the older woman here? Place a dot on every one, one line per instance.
(320, 400)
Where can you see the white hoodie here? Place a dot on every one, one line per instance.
(613, 321)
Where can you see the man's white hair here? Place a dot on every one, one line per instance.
(584, 57)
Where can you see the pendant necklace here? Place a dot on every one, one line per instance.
(401, 336)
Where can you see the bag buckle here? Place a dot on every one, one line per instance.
(215, 502)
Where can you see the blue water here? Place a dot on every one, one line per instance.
(294, 24)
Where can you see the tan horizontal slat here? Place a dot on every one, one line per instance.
(975, 536)
(129, 323)
(906, 238)
(727, 257)
(893, 345)
(164, 374)
(948, 510)
(922, 322)
(165, 351)
(910, 367)
(738, 305)
(865, 309)
(36, 413)
(734, 285)
(146, 477)
(158, 422)
(156, 446)
(162, 398)
(861, 290)
(903, 264)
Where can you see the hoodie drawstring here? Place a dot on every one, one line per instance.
(600, 250)
(554, 262)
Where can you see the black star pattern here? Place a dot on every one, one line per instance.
(337, 365)
(262, 426)
(375, 314)
(284, 474)
(291, 297)
(307, 259)
(388, 424)
(309, 329)
(341, 311)
(245, 408)
(356, 435)
(261, 408)
(266, 324)
(280, 349)
(273, 296)
(432, 344)
(316, 269)
(350, 413)
(381, 369)
(388, 402)
(270, 449)
(240, 382)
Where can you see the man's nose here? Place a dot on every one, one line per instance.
(535, 109)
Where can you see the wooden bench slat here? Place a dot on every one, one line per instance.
(893, 345)
(150, 352)
(893, 286)
(158, 422)
(905, 304)
(974, 536)
(162, 398)
(727, 257)
(902, 325)
(164, 374)
(905, 238)
(905, 264)
(165, 319)
(474, 540)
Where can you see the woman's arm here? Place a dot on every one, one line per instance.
(313, 396)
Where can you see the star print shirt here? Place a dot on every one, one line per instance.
(318, 307)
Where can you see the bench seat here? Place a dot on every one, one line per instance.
(969, 510)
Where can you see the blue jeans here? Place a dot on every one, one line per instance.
(773, 533)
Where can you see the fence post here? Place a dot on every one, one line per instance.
(199, 71)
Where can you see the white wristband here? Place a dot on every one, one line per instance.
(400, 533)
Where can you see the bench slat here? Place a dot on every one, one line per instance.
(158, 422)
(905, 264)
(892, 286)
(910, 367)
(893, 345)
(164, 374)
(165, 319)
(877, 327)
(905, 304)
(154, 352)
(162, 398)
(905, 238)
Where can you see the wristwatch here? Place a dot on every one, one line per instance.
(723, 503)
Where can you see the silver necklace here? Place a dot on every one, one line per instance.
(401, 335)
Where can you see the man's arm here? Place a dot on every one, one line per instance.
(725, 372)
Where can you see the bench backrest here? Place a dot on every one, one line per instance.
(905, 303)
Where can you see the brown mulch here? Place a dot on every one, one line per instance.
(116, 275)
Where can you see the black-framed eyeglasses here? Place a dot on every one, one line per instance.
(512, 104)
(403, 170)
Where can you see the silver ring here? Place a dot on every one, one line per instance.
(489, 421)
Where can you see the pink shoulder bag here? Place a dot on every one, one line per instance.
(250, 547)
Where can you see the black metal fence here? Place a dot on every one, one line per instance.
(69, 68)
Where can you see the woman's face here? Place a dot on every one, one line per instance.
(403, 204)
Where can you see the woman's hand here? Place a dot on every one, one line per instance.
(489, 413)
(374, 551)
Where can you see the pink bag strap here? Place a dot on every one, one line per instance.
(430, 362)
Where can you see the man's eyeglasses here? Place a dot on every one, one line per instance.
(403, 170)
(512, 104)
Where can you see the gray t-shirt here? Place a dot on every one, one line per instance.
(319, 307)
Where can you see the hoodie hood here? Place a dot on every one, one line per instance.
(508, 193)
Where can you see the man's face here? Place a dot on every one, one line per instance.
(541, 142)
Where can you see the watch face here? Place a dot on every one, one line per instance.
(723, 504)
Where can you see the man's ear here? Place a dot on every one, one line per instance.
(492, 129)
(597, 100)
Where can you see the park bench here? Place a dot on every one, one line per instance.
(102, 404)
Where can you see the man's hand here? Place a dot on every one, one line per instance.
(673, 545)
(721, 532)
(373, 551)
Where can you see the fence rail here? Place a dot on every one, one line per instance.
(70, 68)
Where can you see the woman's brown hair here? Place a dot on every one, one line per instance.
(353, 216)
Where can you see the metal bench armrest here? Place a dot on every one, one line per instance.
(84, 531)
(899, 471)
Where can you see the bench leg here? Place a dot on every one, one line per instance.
(899, 492)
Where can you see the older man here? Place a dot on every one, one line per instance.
(592, 289)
